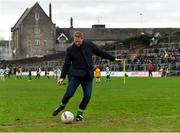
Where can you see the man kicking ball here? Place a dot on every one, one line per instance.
(79, 57)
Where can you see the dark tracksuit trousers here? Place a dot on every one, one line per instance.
(86, 83)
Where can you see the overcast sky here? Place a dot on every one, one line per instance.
(112, 13)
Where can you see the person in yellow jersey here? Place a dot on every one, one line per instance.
(98, 74)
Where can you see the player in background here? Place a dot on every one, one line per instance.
(165, 71)
(38, 73)
(108, 73)
(150, 68)
(7, 72)
(98, 74)
(2, 72)
(30, 74)
(47, 73)
(18, 73)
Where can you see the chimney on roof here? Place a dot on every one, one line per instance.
(71, 22)
(99, 26)
(50, 12)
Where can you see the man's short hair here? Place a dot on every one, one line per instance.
(79, 34)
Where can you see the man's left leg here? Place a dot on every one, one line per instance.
(87, 90)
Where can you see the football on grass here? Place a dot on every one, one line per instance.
(67, 117)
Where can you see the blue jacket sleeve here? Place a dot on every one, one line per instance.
(67, 64)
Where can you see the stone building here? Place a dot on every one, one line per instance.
(34, 34)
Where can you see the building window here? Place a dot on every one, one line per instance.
(37, 30)
(37, 42)
(45, 42)
(36, 16)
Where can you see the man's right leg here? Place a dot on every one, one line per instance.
(72, 86)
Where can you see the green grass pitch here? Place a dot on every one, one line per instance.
(142, 104)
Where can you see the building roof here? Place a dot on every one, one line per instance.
(20, 19)
(114, 34)
(101, 34)
(25, 14)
